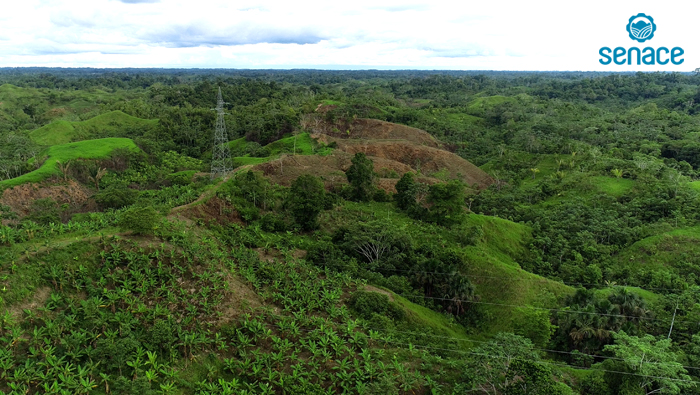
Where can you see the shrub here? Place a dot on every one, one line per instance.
(272, 222)
(116, 196)
(381, 195)
(182, 177)
(44, 212)
(367, 304)
(141, 220)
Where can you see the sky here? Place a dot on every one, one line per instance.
(357, 34)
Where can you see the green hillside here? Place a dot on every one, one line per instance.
(660, 257)
(89, 149)
(111, 124)
(492, 263)
(241, 149)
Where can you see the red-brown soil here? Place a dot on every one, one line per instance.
(394, 149)
(21, 197)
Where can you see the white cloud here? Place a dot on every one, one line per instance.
(501, 35)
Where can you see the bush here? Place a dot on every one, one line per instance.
(181, 178)
(140, 220)
(272, 222)
(469, 235)
(44, 212)
(367, 304)
(116, 196)
(381, 195)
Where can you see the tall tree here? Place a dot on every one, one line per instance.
(406, 192)
(361, 177)
(306, 200)
(447, 203)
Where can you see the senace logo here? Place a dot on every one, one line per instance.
(641, 28)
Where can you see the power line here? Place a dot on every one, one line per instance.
(534, 348)
(542, 362)
(544, 308)
(530, 279)
(545, 362)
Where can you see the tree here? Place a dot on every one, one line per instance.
(406, 191)
(97, 177)
(491, 362)
(116, 196)
(531, 377)
(361, 177)
(64, 167)
(649, 364)
(447, 203)
(306, 200)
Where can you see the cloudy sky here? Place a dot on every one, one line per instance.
(355, 34)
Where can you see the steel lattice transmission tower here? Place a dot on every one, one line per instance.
(220, 154)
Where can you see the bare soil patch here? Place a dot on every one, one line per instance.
(214, 209)
(38, 299)
(370, 288)
(239, 299)
(21, 197)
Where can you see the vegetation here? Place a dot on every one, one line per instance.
(570, 268)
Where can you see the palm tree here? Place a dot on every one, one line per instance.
(588, 330)
(460, 291)
(64, 169)
(428, 276)
(97, 177)
(629, 304)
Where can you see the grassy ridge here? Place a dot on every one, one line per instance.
(669, 250)
(90, 149)
(46, 105)
(113, 124)
(304, 145)
(491, 264)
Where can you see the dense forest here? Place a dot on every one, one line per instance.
(381, 232)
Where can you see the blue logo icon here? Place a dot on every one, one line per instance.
(641, 27)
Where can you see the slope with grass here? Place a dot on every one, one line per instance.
(491, 264)
(89, 149)
(111, 124)
(301, 144)
(676, 251)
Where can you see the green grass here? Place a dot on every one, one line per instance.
(612, 185)
(238, 144)
(111, 124)
(424, 317)
(677, 250)
(695, 185)
(304, 145)
(492, 265)
(650, 297)
(481, 104)
(248, 160)
(57, 132)
(90, 149)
